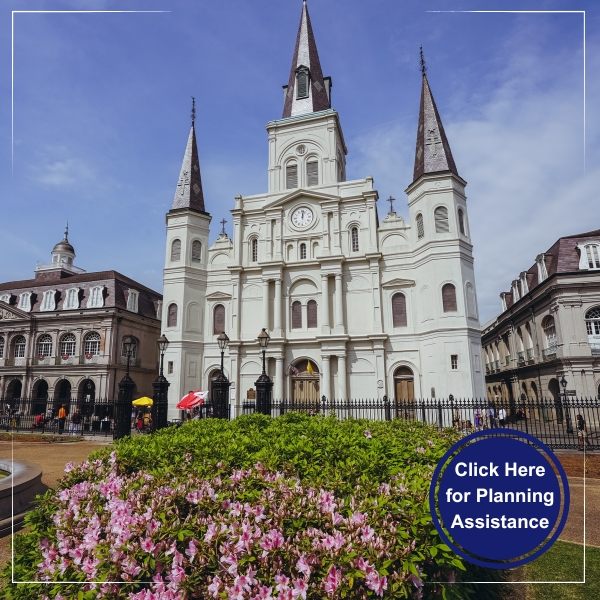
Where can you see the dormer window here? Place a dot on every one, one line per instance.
(302, 83)
(589, 255)
(5, 298)
(96, 297)
(132, 300)
(49, 300)
(25, 301)
(72, 299)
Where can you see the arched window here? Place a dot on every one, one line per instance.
(302, 251)
(354, 238)
(549, 329)
(399, 310)
(218, 319)
(291, 176)
(175, 250)
(461, 221)
(420, 227)
(296, 315)
(302, 83)
(44, 346)
(19, 347)
(254, 249)
(172, 315)
(592, 321)
(312, 173)
(311, 314)
(196, 251)
(1, 347)
(67, 345)
(441, 219)
(91, 344)
(449, 298)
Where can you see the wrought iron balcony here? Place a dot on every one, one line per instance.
(520, 358)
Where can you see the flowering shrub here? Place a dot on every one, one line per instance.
(227, 510)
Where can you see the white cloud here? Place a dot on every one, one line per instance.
(63, 172)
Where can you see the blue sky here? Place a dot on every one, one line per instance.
(102, 105)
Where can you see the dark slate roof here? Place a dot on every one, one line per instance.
(433, 152)
(561, 257)
(116, 286)
(188, 193)
(305, 53)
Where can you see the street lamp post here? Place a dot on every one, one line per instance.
(220, 385)
(122, 415)
(563, 382)
(264, 385)
(161, 389)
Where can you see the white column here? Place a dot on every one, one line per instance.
(277, 318)
(324, 303)
(342, 391)
(278, 378)
(339, 316)
(265, 319)
(326, 378)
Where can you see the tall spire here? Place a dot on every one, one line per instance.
(433, 152)
(307, 90)
(188, 193)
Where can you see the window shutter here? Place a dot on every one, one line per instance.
(441, 220)
(311, 313)
(302, 84)
(172, 316)
(420, 227)
(218, 319)
(302, 251)
(354, 236)
(449, 298)
(196, 251)
(291, 176)
(312, 173)
(296, 315)
(461, 221)
(176, 250)
(399, 310)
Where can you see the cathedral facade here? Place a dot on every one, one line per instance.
(356, 307)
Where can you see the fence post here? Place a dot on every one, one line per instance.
(122, 426)
(440, 416)
(388, 412)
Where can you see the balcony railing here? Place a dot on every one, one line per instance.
(549, 352)
(529, 354)
(520, 358)
(507, 360)
(595, 347)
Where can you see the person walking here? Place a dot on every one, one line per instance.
(62, 417)
(581, 433)
(502, 416)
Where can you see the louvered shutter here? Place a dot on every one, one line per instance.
(441, 220)
(420, 227)
(311, 313)
(399, 310)
(172, 316)
(291, 176)
(218, 319)
(296, 315)
(196, 251)
(176, 250)
(302, 84)
(312, 173)
(449, 298)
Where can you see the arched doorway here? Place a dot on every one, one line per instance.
(62, 394)
(305, 383)
(40, 397)
(554, 389)
(86, 396)
(404, 390)
(13, 393)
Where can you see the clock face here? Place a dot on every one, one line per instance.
(302, 217)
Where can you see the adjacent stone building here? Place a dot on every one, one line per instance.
(549, 326)
(356, 306)
(61, 334)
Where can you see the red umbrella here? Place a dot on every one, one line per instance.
(192, 399)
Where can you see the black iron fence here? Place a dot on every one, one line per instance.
(568, 422)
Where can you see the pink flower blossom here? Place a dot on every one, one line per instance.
(332, 580)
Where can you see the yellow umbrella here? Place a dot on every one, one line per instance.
(143, 401)
(309, 367)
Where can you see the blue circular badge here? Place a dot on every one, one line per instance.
(499, 498)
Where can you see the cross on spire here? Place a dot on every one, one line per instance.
(223, 234)
(67, 231)
(193, 110)
(391, 200)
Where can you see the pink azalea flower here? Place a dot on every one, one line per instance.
(303, 566)
(300, 589)
(376, 582)
(332, 580)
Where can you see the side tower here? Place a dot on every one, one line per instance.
(185, 277)
(448, 319)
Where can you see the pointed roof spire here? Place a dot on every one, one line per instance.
(433, 152)
(189, 187)
(314, 95)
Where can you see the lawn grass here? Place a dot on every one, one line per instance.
(563, 562)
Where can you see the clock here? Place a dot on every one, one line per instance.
(302, 217)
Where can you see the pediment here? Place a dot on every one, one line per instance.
(9, 313)
(302, 194)
(398, 283)
(219, 296)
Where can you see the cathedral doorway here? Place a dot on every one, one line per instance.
(404, 389)
(13, 392)
(86, 396)
(62, 394)
(305, 382)
(40, 397)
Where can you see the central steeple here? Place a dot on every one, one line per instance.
(307, 90)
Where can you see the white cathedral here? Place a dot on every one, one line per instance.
(355, 307)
